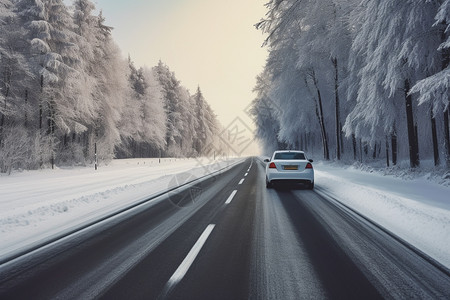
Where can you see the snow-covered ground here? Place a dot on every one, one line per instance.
(417, 210)
(37, 204)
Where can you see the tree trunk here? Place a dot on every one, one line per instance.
(354, 146)
(434, 138)
(337, 112)
(447, 137)
(387, 152)
(360, 151)
(394, 146)
(445, 64)
(40, 102)
(6, 89)
(413, 151)
(319, 112)
(51, 118)
(51, 130)
(26, 109)
(416, 134)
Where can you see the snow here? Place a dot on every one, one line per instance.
(416, 210)
(38, 205)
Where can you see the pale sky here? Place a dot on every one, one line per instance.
(209, 43)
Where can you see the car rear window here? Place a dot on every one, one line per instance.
(289, 155)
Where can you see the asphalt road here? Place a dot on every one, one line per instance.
(229, 238)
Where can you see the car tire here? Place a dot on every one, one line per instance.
(311, 185)
(268, 184)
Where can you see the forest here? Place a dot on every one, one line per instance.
(68, 96)
(356, 80)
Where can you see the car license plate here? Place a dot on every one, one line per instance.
(290, 167)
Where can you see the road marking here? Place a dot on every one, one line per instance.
(187, 262)
(242, 180)
(246, 174)
(231, 197)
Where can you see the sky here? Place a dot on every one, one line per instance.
(208, 43)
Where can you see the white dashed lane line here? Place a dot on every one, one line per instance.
(231, 197)
(187, 262)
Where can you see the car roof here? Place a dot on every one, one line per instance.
(279, 151)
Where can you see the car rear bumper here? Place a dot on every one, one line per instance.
(290, 181)
(306, 176)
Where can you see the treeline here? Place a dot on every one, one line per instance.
(66, 92)
(356, 79)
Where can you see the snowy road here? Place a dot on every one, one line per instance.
(228, 237)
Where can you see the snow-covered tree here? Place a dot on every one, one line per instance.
(88, 30)
(66, 90)
(143, 118)
(264, 114)
(356, 61)
(395, 55)
(15, 73)
(171, 90)
(435, 89)
(204, 121)
(308, 42)
(154, 116)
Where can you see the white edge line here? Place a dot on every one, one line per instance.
(231, 197)
(187, 262)
(242, 180)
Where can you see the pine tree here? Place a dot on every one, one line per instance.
(173, 107)
(435, 88)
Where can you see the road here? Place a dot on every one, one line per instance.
(228, 237)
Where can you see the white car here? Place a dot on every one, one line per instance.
(289, 166)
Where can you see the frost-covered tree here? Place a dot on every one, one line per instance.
(265, 116)
(171, 90)
(356, 61)
(323, 48)
(154, 116)
(395, 55)
(204, 122)
(66, 91)
(52, 51)
(435, 88)
(88, 29)
(109, 93)
(308, 42)
(212, 127)
(15, 73)
(142, 126)
(200, 121)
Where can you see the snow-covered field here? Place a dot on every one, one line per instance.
(37, 204)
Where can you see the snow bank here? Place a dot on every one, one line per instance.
(416, 210)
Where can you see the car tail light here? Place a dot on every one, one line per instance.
(308, 166)
(272, 165)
